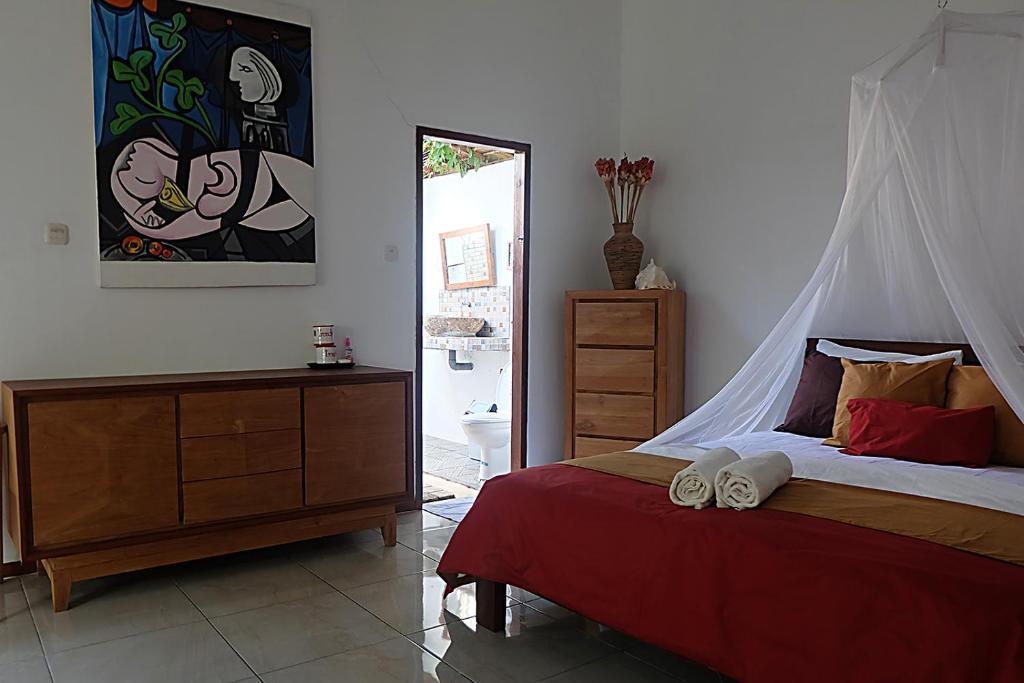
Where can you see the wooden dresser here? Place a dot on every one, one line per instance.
(110, 475)
(623, 368)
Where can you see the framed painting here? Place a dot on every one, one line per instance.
(204, 143)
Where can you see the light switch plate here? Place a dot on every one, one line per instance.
(56, 233)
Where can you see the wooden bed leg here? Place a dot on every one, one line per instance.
(389, 530)
(60, 586)
(490, 605)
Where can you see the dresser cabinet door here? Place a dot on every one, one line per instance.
(102, 468)
(355, 442)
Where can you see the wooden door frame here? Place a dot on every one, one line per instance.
(520, 291)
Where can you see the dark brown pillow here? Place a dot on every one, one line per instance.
(813, 409)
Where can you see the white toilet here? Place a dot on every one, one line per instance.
(492, 432)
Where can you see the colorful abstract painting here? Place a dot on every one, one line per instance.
(204, 143)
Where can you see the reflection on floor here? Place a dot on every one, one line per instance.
(339, 609)
(451, 461)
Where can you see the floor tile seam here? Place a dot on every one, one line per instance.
(663, 670)
(360, 585)
(441, 659)
(209, 617)
(217, 631)
(35, 626)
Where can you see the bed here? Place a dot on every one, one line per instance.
(768, 595)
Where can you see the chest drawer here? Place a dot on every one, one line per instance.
(615, 323)
(589, 445)
(255, 494)
(238, 412)
(628, 417)
(236, 455)
(630, 370)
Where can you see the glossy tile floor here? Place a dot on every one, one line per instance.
(338, 609)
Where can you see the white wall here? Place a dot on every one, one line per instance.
(452, 202)
(744, 104)
(530, 70)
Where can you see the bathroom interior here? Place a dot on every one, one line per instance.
(468, 227)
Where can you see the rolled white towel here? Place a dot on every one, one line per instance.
(749, 482)
(695, 485)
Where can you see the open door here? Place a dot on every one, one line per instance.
(507, 244)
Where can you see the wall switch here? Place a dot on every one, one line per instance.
(56, 233)
(390, 253)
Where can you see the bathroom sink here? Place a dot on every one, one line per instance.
(442, 326)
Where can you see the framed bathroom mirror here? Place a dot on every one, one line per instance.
(467, 257)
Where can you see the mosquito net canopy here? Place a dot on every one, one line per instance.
(929, 241)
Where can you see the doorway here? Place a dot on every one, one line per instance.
(472, 272)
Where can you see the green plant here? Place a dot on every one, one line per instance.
(441, 158)
(136, 72)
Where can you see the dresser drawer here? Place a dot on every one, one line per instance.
(616, 323)
(255, 494)
(628, 417)
(589, 445)
(613, 370)
(235, 455)
(237, 412)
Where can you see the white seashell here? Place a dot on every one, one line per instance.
(653, 277)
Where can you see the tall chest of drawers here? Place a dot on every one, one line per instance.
(623, 368)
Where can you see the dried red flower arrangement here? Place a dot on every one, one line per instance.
(631, 177)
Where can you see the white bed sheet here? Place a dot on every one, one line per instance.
(996, 488)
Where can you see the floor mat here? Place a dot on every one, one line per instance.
(454, 509)
(433, 493)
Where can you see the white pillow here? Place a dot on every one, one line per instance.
(864, 356)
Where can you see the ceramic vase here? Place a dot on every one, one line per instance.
(624, 253)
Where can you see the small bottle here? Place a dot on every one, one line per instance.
(347, 353)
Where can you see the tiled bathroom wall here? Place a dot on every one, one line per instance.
(493, 304)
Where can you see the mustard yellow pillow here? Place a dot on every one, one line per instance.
(923, 383)
(970, 387)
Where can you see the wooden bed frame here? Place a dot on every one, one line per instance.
(491, 595)
(915, 348)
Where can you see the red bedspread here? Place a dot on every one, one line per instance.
(760, 595)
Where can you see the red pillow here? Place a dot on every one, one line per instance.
(908, 431)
